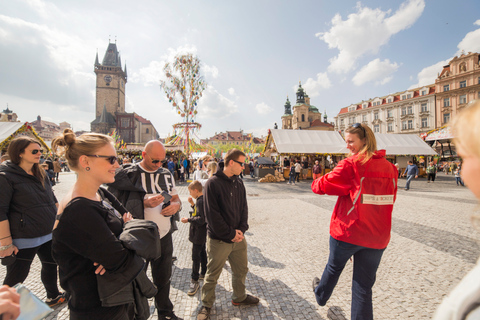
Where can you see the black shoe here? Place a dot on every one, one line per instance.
(249, 300)
(201, 277)
(172, 316)
(61, 298)
(174, 258)
(315, 283)
(194, 285)
(204, 313)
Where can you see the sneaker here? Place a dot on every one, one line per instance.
(315, 283)
(61, 298)
(249, 300)
(204, 313)
(172, 316)
(201, 277)
(194, 285)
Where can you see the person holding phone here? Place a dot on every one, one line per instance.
(143, 188)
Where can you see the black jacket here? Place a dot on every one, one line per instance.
(26, 203)
(198, 226)
(225, 206)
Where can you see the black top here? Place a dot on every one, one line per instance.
(88, 232)
(198, 226)
(225, 205)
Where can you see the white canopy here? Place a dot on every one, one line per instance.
(8, 128)
(307, 141)
(403, 144)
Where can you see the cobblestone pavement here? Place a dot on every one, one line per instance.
(433, 246)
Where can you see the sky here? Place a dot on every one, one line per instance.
(253, 53)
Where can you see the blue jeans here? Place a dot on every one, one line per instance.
(291, 179)
(365, 265)
(409, 178)
(459, 181)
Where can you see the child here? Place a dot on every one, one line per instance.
(291, 176)
(182, 173)
(197, 235)
(458, 179)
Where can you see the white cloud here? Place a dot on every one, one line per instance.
(231, 91)
(477, 23)
(215, 105)
(263, 108)
(376, 70)
(210, 70)
(366, 31)
(471, 41)
(313, 86)
(429, 74)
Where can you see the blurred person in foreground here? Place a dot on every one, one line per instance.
(464, 301)
(366, 186)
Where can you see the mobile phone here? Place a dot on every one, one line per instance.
(166, 196)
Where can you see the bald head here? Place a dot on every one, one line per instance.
(153, 154)
(154, 145)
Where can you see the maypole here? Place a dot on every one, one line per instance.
(184, 87)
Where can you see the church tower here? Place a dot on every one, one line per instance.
(111, 81)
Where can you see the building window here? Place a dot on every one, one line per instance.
(410, 109)
(390, 113)
(404, 125)
(463, 99)
(125, 122)
(424, 122)
(147, 131)
(424, 92)
(365, 105)
(390, 100)
(364, 118)
(424, 107)
(341, 122)
(375, 115)
(446, 87)
(404, 111)
(446, 102)
(404, 97)
(463, 84)
(376, 128)
(410, 124)
(446, 117)
(409, 96)
(303, 117)
(390, 127)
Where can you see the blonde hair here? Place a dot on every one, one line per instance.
(466, 129)
(212, 166)
(74, 147)
(370, 147)
(195, 185)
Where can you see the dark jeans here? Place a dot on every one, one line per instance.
(409, 178)
(199, 258)
(431, 176)
(297, 176)
(365, 265)
(18, 271)
(459, 181)
(161, 273)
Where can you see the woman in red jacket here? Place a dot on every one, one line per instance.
(366, 186)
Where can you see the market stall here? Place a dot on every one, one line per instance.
(264, 166)
(400, 148)
(11, 130)
(305, 144)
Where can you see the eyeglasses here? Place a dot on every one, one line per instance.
(359, 125)
(240, 163)
(155, 161)
(35, 151)
(111, 159)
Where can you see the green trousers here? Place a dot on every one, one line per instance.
(217, 254)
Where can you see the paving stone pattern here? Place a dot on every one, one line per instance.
(433, 246)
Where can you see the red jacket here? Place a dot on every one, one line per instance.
(366, 194)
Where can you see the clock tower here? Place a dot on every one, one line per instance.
(111, 81)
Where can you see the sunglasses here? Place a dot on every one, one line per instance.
(155, 161)
(111, 159)
(358, 125)
(240, 163)
(35, 151)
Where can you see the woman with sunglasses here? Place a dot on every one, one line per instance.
(89, 221)
(366, 186)
(27, 214)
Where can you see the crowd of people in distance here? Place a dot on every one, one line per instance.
(94, 239)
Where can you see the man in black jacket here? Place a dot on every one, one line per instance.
(226, 212)
(138, 187)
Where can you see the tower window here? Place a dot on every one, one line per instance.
(303, 117)
(146, 131)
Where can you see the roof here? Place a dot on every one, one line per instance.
(319, 123)
(142, 119)
(8, 130)
(105, 117)
(265, 161)
(307, 141)
(403, 144)
(112, 58)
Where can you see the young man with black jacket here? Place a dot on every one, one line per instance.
(226, 212)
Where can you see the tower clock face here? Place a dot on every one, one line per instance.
(108, 78)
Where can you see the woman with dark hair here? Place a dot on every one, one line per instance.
(366, 186)
(86, 235)
(27, 214)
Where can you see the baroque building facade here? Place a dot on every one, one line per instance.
(303, 115)
(410, 111)
(457, 85)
